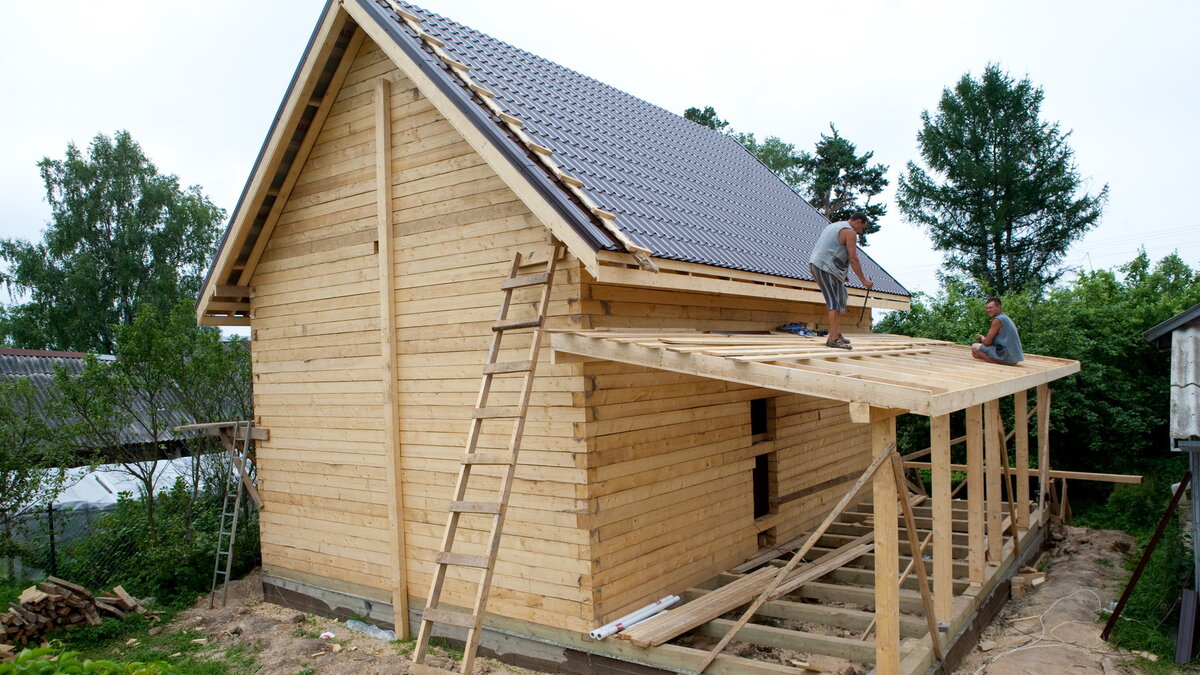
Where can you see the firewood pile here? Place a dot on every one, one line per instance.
(56, 603)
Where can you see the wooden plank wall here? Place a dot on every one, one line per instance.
(318, 383)
(670, 456)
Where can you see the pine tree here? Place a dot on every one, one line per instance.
(1000, 197)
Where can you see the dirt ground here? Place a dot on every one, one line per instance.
(285, 641)
(1052, 629)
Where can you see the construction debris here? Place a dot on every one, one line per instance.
(56, 603)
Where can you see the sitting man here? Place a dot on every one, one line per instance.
(1002, 344)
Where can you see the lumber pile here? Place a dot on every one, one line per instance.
(56, 603)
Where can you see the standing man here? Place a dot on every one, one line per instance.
(833, 256)
(1002, 344)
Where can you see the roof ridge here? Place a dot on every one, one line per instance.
(545, 155)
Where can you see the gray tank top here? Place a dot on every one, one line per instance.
(829, 254)
(1008, 341)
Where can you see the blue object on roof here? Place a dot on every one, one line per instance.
(680, 189)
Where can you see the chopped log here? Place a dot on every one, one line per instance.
(32, 595)
(128, 601)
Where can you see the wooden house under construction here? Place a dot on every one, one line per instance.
(421, 190)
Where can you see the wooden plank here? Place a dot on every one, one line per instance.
(1021, 443)
(975, 497)
(887, 554)
(1043, 422)
(916, 548)
(872, 472)
(943, 527)
(387, 348)
(992, 495)
(802, 641)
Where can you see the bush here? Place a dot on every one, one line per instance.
(48, 661)
(174, 564)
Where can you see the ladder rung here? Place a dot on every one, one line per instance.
(538, 279)
(451, 618)
(476, 507)
(464, 559)
(507, 367)
(498, 411)
(514, 325)
(488, 458)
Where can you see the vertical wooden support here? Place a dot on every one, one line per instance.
(975, 501)
(991, 446)
(943, 519)
(387, 351)
(1021, 427)
(887, 556)
(1043, 434)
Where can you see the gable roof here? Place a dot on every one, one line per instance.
(621, 173)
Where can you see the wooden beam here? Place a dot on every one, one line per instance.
(841, 617)
(992, 496)
(257, 433)
(1054, 474)
(872, 473)
(387, 351)
(1043, 422)
(918, 561)
(1021, 427)
(887, 556)
(943, 520)
(975, 502)
(860, 413)
(770, 636)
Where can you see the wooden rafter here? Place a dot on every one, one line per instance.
(927, 377)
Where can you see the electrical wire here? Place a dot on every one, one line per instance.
(1055, 640)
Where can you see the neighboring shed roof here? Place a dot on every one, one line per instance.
(680, 189)
(38, 368)
(1160, 335)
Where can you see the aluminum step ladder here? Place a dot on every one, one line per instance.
(486, 412)
(231, 506)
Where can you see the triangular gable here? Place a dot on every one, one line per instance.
(604, 171)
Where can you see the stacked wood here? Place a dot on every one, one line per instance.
(56, 603)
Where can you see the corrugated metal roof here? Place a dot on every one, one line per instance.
(1185, 381)
(38, 368)
(681, 190)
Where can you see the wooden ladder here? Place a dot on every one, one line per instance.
(485, 412)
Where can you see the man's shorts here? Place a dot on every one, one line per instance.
(990, 351)
(832, 287)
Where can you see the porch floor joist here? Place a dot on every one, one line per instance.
(828, 617)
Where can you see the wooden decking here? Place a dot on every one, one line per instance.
(832, 616)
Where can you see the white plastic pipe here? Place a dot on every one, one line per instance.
(634, 617)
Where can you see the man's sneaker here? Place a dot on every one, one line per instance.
(843, 338)
(837, 344)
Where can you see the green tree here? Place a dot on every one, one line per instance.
(1002, 195)
(30, 450)
(121, 235)
(1112, 415)
(835, 179)
(838, 181)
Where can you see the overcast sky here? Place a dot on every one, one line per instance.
(197, 83)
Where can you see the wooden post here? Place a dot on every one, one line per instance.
(1021, 426)
(917, 551)
(975, 502)
(943, 519)
(387, 352)
(1043, 421)
(992, 438)
(887, 557)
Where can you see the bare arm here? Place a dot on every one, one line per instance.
(992, 333)
(850, 240)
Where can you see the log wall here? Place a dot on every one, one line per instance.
(671, 456)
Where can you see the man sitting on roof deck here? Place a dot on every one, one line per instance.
(1002, 344)
(833, 256)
